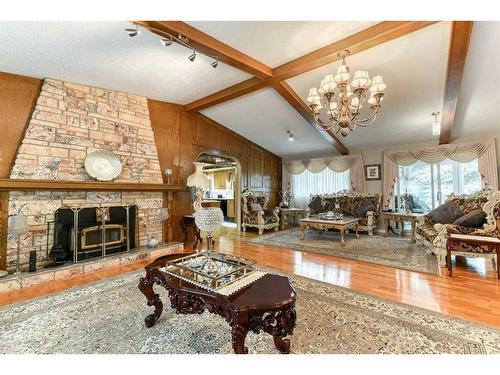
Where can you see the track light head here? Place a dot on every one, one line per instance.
(290, 135)
(133, 32)
(166, 41)
(215, 64)
(193, 56)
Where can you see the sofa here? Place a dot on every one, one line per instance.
(256, 214)
(433, 235)
(349, 203)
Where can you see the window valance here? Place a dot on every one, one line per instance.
(483, 150)
(337, 164)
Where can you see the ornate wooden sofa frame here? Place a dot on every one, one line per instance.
(263, 219)
(348, 202)
(433, 235)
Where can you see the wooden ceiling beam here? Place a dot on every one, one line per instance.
(361, 41)
(209, 45)
(232, 92)
(296, 102)
(457, 56)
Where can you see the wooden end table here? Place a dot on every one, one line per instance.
(286, 213)
(186, 223)
(266, 305)
(323, 224)
(400, 217)
(492, 243)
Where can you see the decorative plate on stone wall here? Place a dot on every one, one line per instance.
(103, 165)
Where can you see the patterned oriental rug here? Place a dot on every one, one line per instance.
(108, 317)
(388, 251)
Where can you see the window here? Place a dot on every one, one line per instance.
(324, 182)
(431, 184)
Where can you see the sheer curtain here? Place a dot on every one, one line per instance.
(324, 182)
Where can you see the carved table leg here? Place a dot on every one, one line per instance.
(303, 233)
(238, 335)
(282, 344)
(342, 240)
(146, 287)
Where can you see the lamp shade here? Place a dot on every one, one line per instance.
(198, 179)
(18, 225)
(342, 75)
(361, 80)
(209, 219)
(313, 96)
(378, 85)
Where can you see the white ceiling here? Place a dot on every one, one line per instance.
(277, 42)
(414, 69)
(478, 108)
(102, 54)
(264, 117)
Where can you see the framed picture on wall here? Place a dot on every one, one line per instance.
(373, 172)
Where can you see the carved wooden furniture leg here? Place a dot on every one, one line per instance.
(303, 233)
(448, 257)
(282, 344)
(342, 233)
(386, 226)
(146, 287)
(357, 230)
(413, 227)
(238, 335)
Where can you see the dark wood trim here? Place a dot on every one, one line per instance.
(14, 185)
(207, 44)
(232, 92)
(361, 41)
(459, 46)
(4, 217)
(296, 102)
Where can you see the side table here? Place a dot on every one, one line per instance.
(492, 244)
(186, 223)
(400, 217)
(286, 213)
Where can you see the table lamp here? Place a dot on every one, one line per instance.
(18, 225)
(209, 220)
(200, 181)
(163, 215)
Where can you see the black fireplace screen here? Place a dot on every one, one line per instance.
(85, 233)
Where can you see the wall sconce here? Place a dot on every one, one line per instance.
(168, 174)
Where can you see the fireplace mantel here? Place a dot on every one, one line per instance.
(16, 185)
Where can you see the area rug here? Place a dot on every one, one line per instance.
(396, 252)
(108, 317)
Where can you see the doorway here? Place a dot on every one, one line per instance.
(224, 192)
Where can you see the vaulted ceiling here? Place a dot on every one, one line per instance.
(414, 66)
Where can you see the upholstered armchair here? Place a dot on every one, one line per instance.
(433, 235)
(255, 212)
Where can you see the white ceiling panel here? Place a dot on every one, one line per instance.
(264, 118)
(102, 54)
(478, 109)
(277, 42)
(414, 69)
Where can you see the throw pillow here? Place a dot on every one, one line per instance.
(474, 219)
(447, 213)
(316, 205)
(364, 207)
(255, 207)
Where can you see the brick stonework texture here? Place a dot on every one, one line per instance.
(70, 121)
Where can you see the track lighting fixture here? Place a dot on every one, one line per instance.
(290, 135)
(167, 41)
(214, 64)
(193, 56)
(133, 32)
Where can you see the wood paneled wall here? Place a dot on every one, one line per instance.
(181, 136)
(18, 95)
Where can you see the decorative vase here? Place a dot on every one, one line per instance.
(152, 242)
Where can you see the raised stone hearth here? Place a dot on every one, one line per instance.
(69, 122)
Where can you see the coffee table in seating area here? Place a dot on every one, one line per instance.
(248, 299)
(341, 225)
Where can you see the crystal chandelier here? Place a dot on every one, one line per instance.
(343, 101)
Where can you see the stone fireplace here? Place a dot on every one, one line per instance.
(68, 122)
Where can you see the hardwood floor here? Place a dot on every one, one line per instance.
(473, 293)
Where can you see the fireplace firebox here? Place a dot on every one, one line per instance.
(81, 233)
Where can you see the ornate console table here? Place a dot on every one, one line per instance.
(266, 305)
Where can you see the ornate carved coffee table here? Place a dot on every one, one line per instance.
(341, 225)
(268, 304)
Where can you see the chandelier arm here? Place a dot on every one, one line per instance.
(367, 121)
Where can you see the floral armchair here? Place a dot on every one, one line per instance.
(255, 212)
(433, 235)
